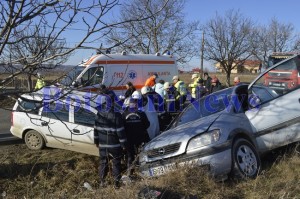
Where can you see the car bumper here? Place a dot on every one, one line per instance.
(16, 132)
(217, 164)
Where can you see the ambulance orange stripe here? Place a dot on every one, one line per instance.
(112, 88)
(90, 60)
(134, 62)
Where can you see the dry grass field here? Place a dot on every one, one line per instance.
(55, 173)
(247, 77)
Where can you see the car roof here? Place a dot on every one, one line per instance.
(53, 94)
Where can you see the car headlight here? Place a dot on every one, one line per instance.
(143, 157)
(204, 139)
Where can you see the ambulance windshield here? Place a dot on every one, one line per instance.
(71, 76)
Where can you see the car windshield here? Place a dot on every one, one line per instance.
(289, 65)
(72, 75)
(204, 107)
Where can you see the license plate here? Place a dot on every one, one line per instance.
(157, 171)
(275, 84)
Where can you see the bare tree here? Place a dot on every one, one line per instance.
(275, 37)
(33, 47)
(164, 31)
(58, 17)
(260, 44)
(227, 40)
(281, 35)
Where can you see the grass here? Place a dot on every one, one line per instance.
(55, 173)
(245, 77)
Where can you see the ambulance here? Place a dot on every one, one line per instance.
(115, 70)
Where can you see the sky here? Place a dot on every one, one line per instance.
(260, 11)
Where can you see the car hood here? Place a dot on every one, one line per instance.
(183, 133)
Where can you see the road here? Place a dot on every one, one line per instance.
(5, 135)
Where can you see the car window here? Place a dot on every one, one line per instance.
(72, 75)
(28, 106)
(56, 111)
(84, 117)
(93, 76)
(263, 93)
(278, 81)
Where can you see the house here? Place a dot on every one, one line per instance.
(249, 66)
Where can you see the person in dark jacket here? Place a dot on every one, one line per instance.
(136, 124)
(200, 90)
(172, 102)
(207, 81)
(103, 90)
(110, 138)
(125, 98)
(215, 85)
(130, 89)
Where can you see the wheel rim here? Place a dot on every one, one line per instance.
(34, 140)
(246, 160)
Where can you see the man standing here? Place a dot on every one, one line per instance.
(148, 100)
(110, 138)
(40, 83)
(215, 85)
(193, 85)
(150, 82)
(236, 81)
(181, 88)
(207, 81)
(136, 124)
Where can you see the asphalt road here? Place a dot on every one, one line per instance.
(5, 136)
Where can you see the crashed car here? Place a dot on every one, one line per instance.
(58, 119)
(227, 132)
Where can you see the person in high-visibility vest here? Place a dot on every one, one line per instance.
(194, 85)
(40, 83)
(181, 88)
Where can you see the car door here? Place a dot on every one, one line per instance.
(82, 123)
(55, 125)
(274, 114)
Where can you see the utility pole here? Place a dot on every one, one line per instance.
(202, 52)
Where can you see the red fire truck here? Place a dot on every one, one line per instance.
(286, 75)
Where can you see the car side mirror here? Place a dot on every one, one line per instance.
(254, 101)
(75, 83)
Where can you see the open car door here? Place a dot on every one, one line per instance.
(274, 112)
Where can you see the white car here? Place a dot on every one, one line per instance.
(227, 131)
(56, 119)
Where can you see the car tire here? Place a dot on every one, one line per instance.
(245, 160)
(34, 140)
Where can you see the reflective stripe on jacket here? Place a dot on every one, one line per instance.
(109, 131)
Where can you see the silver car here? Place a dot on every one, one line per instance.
(227, 131)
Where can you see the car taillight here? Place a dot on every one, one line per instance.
(12, 118)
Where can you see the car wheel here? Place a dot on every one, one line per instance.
(245, 160)
(34, 140)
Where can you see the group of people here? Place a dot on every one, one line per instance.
(177, 91)
(120, 134)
